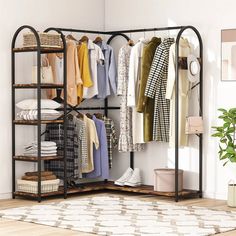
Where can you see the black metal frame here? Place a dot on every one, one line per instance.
(106, 106)
(39, 51)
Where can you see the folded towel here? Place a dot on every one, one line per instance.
(42, 154)
(35, 150)
(42, 148)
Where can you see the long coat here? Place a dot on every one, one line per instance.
(156, 88)
(146, 105)
(184, 51)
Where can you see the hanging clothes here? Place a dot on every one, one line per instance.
(80, 129)
(107, 72)
(156, 88)
(73, 72)
(100, 155)
(112, 140)
(95, 57)
(55, 133)
(125, 138)
(145, 105)
(92, 139)
(83, 60)
(184, 51)
(134, 88)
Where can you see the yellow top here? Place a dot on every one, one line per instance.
(83, 59)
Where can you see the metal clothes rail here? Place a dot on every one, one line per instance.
(114, 34)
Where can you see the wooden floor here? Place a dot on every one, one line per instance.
(17, 228)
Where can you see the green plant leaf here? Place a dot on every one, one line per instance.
(226, 125)
(222, 117)
(229, 137)
(222, 110)
(233, 158)
(230, 130)
(227, 119)
(230, 150)
(220, 135)
(223, 140)
(225, 156)
(225, 163)
(232, 110)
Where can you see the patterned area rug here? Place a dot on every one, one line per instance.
(124, 216)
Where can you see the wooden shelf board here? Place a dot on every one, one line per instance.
(146, 189)
(43, 49)
(96, 186)
(35, 159)
(35, 122)
(33, 195)
(30, 86)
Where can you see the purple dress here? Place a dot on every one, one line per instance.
(100, 155)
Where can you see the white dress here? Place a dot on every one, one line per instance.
(126, 134)
(184, 51)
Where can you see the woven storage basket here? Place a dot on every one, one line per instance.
(47, 186)
(46, 40)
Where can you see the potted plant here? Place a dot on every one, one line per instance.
(227, 146)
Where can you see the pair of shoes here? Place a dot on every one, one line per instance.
(130, 178)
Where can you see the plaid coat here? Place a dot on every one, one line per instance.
(156, 88)
(55, 132)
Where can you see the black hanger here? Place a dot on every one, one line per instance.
(58, 97)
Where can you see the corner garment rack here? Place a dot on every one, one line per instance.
(106, 184)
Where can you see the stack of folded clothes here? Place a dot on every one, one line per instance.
(46, 114)
(33, 176)
(48, 148)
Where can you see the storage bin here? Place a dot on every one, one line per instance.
(231, 201)
(47, 186)
(46, 40)
(164, 180)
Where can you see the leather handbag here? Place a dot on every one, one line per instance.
(194, 125)
(46, 73)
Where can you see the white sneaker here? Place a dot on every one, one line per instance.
(135, 179)
(125, 177)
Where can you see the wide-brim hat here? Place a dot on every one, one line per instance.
(193, 68)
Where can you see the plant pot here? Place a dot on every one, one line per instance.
(231, 194)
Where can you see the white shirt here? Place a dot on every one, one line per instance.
(95, 56)
(134, 88)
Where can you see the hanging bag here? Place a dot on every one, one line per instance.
(46, 73)
(194, 124)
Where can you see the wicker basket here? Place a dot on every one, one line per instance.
(47, 186)
(46, 40)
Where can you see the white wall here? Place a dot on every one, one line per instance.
(40, 14)
(209, 17)
(120, 15)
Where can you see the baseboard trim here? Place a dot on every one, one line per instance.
(5, 195)
(212, 195)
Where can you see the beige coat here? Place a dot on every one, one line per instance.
(73, 73)
(184, 51)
